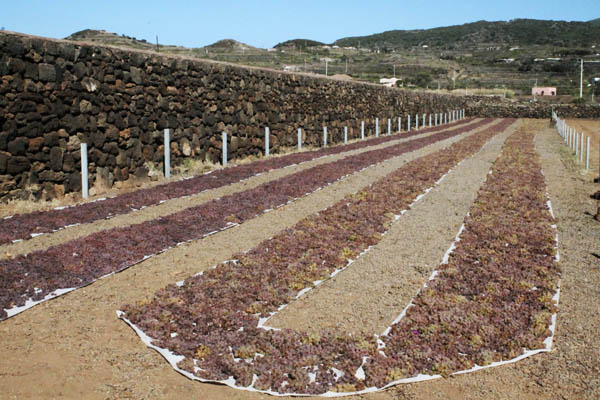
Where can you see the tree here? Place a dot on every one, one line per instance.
(423, 79)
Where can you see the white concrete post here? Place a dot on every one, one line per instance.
(417, 122)
(399, 124)
(167, 153)
(576, 144)
(445, 118)
(84, 171)
(424, 115)
(581, 149)
(224, 136)
(299, 138)
(324, 136)
(345, 135)
(389, 126)
(362, 130)
(267, 141)
(571, 138)
(376, 127)
(435, 117)
(430, 120)
(408, 122)
(587, 155)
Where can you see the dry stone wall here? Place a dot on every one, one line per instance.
(486, 106)
(55, 95)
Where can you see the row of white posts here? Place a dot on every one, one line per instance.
(436, 119)
(573, 139)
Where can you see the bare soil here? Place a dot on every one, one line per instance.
(589, 127)
(75, 347)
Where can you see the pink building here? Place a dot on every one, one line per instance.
(543, 91)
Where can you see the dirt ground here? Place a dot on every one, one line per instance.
(75, 347)
(590, 127)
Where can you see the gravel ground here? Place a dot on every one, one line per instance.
(74, 346)
(172, 206)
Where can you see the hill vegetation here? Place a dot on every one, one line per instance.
(299, 43)
(518, 32)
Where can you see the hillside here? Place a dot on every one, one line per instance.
(497, 56)
(110, 38)
(518, 32)
(229, 45)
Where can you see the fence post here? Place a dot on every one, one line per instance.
(399, 124)
(376, 127)
(389, 126)
(362, 130)
(167, 153)
(267, 141)
(84, 171)
(417, 122)
(345, 135)
(324, 136)
(424, 115)
(408, 122)
(430, 120)
(587, 156)
(299, 138)
(435, 117)
(224, 136)
(581, 149)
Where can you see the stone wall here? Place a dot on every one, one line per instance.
(486, 106)
(55, 95)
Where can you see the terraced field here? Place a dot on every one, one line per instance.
(354, 270)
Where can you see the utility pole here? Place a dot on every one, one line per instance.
(581, 81)
(157, 48)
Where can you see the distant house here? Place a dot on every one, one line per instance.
(291, 68)
(543, 91)
(389, 82)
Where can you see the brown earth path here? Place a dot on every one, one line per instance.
(572, 369)
(83, 351)
(75, 347)
(589, 127)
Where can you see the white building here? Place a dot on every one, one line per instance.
(389, 82)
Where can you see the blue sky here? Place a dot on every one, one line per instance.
(268, 22)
